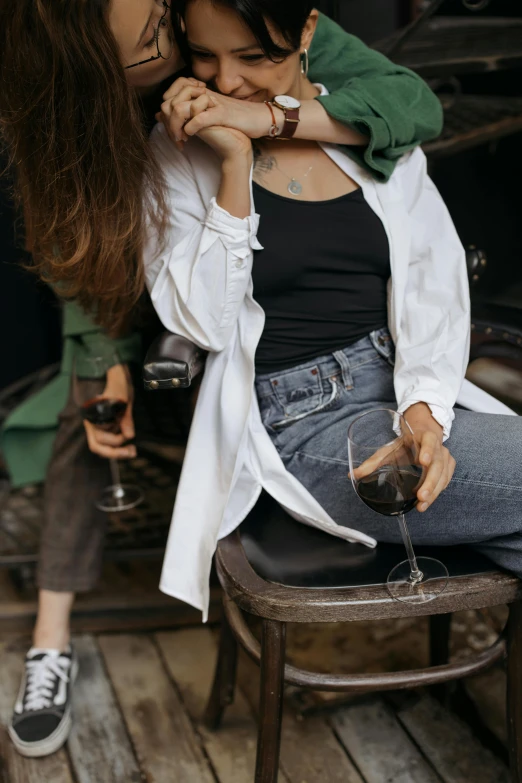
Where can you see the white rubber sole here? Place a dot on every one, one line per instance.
(54, 741)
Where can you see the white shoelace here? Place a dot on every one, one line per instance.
(41, 678)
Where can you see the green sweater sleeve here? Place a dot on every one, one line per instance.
(92, 339)
(391, 104)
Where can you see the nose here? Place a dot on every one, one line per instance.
(160, 9)
(227, 78)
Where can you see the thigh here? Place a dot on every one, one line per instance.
(482, 502)
(315, 448)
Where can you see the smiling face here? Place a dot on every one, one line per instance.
(136, 27)
(226, 55)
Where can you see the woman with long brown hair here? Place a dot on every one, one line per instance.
(80, 83)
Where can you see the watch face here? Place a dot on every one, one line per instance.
(287, 102)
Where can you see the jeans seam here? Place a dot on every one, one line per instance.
(320, 459)
(486, 483)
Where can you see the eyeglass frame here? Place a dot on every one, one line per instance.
(158, 56)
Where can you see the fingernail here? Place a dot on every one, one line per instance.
(423, 507)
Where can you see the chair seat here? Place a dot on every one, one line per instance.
(286, 552)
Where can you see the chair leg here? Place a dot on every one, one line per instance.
(440, 631)
(222, 693)
(271, 701)
(514, 690)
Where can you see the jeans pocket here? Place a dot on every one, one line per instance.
(300, 403)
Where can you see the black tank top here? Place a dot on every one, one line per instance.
(321, 277)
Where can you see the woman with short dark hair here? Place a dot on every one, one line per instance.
(319, 295)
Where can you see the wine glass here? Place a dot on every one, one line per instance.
(386, 474)
(90, 374)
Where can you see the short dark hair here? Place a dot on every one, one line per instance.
(287, 16)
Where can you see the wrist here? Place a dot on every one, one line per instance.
(279, 116)
(420, 419)
(237, 162)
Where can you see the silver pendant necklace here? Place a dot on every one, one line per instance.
(295, 188)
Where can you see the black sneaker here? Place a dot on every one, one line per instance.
(42, 718)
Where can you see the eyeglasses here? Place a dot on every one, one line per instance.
(169, 44)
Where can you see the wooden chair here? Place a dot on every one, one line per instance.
(285, 572)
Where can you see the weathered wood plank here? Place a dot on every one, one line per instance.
(310, 752)
(449, 743)
(166, 744)
(380, 747)
(99, 747)
(13, 767)
(190, 656)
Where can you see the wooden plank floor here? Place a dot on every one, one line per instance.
(138, 702)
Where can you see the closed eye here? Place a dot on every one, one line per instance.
(253, 58)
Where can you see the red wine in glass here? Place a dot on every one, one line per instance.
(386, 475)
(91, 373)
(104, 412)
(391, 491)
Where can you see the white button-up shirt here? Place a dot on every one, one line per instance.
(201, 286)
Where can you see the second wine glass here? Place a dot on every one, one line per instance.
(386, 474)
(106, 413)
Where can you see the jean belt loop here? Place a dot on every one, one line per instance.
(344, 364)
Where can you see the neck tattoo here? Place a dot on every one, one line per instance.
(264, 163)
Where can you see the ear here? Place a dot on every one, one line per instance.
(309, 30)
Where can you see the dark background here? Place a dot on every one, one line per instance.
(481, 187)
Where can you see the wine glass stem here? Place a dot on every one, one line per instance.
(416, 574)
(116, 481)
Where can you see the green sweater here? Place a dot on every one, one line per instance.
(391, 104)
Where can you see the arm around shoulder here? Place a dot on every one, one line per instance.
(387, 102)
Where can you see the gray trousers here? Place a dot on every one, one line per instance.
(73, 534)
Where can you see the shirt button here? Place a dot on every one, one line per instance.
(239, 265)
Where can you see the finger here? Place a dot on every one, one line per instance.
(200, 105)
(183, 112)
(104, 438)
(381, 455)
(207, 119)
(127, 424)
(429, 444)
(185, 96)
(433, 476)
(179, 85)
(174, 118)
(107, 451)
(440, 487)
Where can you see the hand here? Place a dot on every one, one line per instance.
(252, 119)
(227, 142)
(437, 463)
(435, 458)
(175, 109)
(109, 444)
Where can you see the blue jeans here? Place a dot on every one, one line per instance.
(307, 410)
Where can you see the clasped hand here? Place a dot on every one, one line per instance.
(189, 108)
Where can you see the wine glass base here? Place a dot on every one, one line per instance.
(434, 581)
(115, 499)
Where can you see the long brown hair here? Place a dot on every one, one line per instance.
(74, 133)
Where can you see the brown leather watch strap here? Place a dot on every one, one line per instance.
(290, 125)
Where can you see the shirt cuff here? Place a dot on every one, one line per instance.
(235, 230)
(442, 415)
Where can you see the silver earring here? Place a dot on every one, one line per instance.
(304, 62)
